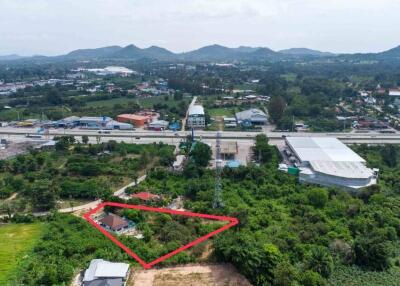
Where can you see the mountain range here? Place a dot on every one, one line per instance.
(10, 57)
(212, 53)
(207, 53)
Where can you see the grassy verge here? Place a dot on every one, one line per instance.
(16, 241)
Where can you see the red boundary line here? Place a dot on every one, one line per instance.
(87, 216)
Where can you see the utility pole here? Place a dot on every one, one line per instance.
(217, 200)
(293, 123)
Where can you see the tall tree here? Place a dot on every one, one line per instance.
(262, 150)
(201, 154)
(276, 108)
(389, 154)
(85, 139)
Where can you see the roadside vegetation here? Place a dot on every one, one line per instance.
(74, 172)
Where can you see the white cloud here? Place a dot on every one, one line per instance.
(57, 26)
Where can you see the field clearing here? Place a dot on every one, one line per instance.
(16, 240)
(228, 112)
(111, 102)
(147, 102)
(289, 77)
(194, 275)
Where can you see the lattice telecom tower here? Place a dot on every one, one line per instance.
(217, 201)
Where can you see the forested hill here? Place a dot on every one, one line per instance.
(214, 53)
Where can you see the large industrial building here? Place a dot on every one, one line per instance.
(90, 122)
(252, 117)
(196, 117)
(328, 162)
(118, 125)
(94, 122)
(136, 120)
(158, 125)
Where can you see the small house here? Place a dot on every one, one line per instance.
(145, 196)
(114, 223)
(105, 273)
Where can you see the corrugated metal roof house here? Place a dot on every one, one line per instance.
(102, 272)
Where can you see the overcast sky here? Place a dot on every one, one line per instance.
(52, 27)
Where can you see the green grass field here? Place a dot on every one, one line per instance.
(144, 102)
(111, 102)
(16, 241)
(289, 76)
(228, 112)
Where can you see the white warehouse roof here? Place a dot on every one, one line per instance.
(349, 170)
(253, 115)
(196, 110)
(322, 149)
(157, 123)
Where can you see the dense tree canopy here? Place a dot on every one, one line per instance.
(200, 154)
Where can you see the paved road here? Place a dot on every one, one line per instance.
(241, 135)
(187, 114)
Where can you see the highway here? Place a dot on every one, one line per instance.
(244, 139)
(171, 137)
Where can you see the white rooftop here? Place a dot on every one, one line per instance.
(394, 92)
(252, 115)
(196, 110)
(322, 149)
(100, 268)
(95, 118)
(349, 170)
(159, 122)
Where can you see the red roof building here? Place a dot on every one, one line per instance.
(145, 196)
(114, 222)
(133, 119)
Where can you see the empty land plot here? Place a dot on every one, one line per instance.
(215, 112)
(193, 275)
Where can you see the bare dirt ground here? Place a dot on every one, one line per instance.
(14, 149)
(190, 275)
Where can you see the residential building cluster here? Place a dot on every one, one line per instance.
(9, 88)
(242, 100)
